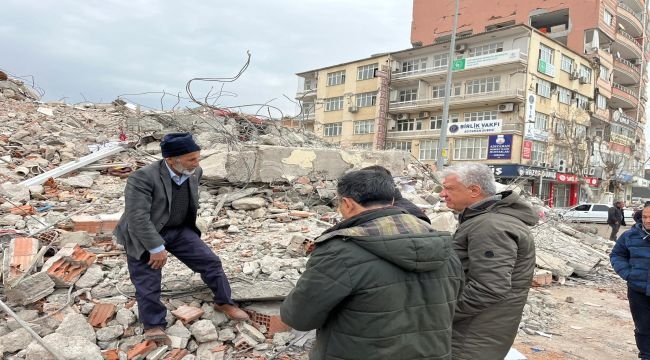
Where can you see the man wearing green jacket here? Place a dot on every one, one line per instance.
(382, 284)
(496, 248)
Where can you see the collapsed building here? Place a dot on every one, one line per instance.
(266, 191)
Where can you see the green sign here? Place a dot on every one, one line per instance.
(541, 66)
(458, 65)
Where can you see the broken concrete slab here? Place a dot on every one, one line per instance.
(76, 325)
(93, 276)
(15, 193)
(248, 203)
(204, 331)
(30, 289)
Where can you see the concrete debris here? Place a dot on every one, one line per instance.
(267, 192)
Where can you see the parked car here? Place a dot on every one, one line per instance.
(593, 213)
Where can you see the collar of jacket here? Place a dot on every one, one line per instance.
(482, 205)
(364, 217)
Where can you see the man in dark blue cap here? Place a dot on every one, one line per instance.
(161, 202)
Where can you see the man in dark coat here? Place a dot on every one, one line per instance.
(381, 284)
(615, 218)
(398, 200)
(161, 201)
(496, 248)
(630, 259)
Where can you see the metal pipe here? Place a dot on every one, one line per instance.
(442, 142)
(31, 331)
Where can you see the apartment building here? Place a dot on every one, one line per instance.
(519, 102)
(611, 34)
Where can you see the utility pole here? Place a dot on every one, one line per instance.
(442, 142)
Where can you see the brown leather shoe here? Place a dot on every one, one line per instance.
(232, 312)
(155, 334)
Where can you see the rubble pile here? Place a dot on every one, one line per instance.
(267, 191)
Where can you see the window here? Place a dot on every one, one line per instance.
(566, 64)
(543, 88)
(564, 95)
(608, 18)
(436, 121)
(585, 72)
(399, 145)
(333, 104)
(584, 207)
(560, 153)
(414, 65)
(582, 102)
(409, 125)
(579, 132)
(408, 95)
(367, 71)
(438, 91)
(366, 99)
(336, 78)
(538, 151)
(604, 73)
(546, 54)
(364, 127)
(541, 121)
(481, 115)
(428, 149)
(559, 128)
(486, 49)
(602, 102)
(440, 61)
(600, 208)
(478, 86)
(470, 148)
(366, 146)
(332, 129)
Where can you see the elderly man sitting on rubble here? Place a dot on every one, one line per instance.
(381, 284)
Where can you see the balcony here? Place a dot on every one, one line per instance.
(625, 72)
(623, 97)
(434, 104)
(306, 94)
(630, 19)
(629, 42)
(477, 64)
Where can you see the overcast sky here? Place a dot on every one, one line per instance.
(103, 49)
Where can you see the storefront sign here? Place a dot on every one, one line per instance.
(485, 60)
(531, 107)
(591, 181)
(499, 147)
(566, 178)
(620, 139)
(515, 171)
(475, 127)
(526, 154)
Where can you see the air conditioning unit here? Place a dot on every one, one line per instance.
(460, 48)
(390, 124)
(574, 75)
(506, 107)
(353, 109)
(562, 168)
(583, 80)
(424, 114)
(535, 163)
(402, 116)
(562, 165)
(592, 171)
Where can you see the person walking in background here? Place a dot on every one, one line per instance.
(381, 284)
(496, 248)
(630, 258)
(161, 202)
(615, 218)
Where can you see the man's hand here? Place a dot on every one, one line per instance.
(158, 260)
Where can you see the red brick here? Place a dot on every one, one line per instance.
(101, 314)
(21, 252)
(187, 314)
(542, 278)
(267, 314)
(142, 349)
(89, 224)
(67, 266)
(111, 354)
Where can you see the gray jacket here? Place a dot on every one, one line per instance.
(148, 201)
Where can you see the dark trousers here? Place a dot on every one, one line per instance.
(640, 309)
(186, 245)
(615, 228)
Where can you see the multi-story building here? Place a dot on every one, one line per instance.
(612, 34)
(395, 101)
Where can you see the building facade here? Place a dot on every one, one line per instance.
(611, 34)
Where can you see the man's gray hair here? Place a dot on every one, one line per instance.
(474, 174)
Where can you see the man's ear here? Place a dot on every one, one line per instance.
(475, 190)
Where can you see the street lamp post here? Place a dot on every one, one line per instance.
(442, 142)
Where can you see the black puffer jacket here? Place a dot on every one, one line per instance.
(381, 285)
